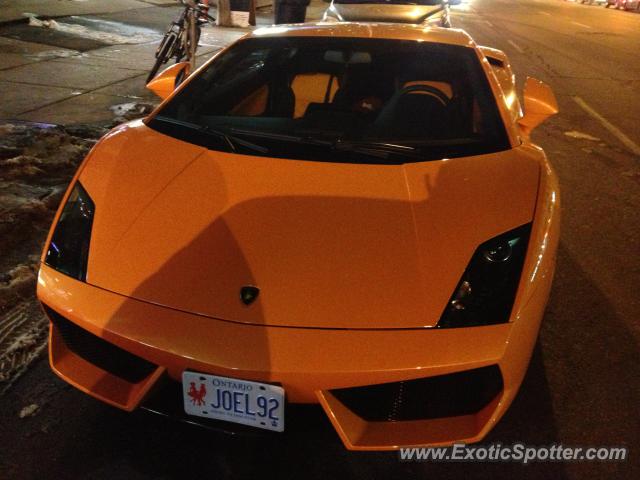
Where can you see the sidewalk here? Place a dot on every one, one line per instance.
(11, 10)
(98, 58)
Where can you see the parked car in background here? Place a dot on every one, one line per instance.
(432, 12)
(624, 4)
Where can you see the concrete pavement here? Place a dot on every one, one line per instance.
(14, 10)
(98, 56)
(51, 76)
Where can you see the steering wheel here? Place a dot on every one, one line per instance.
(419, 88)
(387, 114)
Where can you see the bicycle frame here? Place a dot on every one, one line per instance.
(181, 39)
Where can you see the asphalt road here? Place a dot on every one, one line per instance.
(583, 386)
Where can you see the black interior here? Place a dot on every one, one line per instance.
(385, 91)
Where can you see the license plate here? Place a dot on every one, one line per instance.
(240, 401)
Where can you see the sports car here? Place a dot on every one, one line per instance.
(425, 12)
(350, 218)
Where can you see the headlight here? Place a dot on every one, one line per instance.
(68, 250)
(488, 287)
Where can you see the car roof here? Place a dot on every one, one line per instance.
(451, 36)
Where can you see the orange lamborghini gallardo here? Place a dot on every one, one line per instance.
(349, 215)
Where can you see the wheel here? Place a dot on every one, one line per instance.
(163, 54)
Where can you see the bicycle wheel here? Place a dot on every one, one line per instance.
(164, 53)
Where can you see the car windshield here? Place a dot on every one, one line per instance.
(339, 100)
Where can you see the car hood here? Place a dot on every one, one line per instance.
(371, 12)
(329, 245)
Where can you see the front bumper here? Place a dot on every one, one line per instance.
(312, 365)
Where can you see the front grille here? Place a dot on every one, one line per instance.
(462, 393)
(99, 352)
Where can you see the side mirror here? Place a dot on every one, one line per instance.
(167, 81)
(539, 104)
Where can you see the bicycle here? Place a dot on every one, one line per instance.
(181, 39)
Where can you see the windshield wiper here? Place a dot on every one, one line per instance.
(231, 140)
(376, 149)
(283, 136)
(370, 148)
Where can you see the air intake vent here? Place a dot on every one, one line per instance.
(462, 393)
(99, 352)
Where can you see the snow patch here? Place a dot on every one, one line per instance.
(28, 411)
(17, 279)
(98, 35)
(36, 22)
(130, 110)
(25, 340)
(48, 54)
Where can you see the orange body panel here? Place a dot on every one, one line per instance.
(177, 228)
(288, 226)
